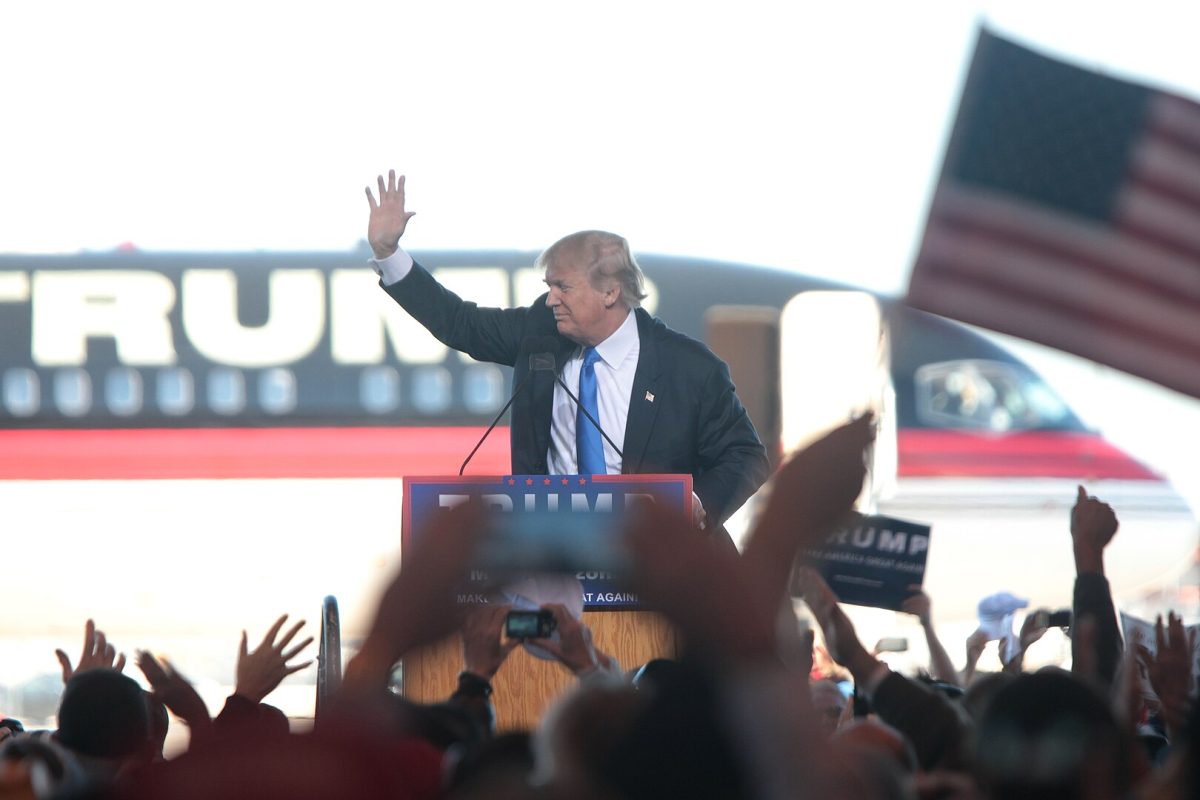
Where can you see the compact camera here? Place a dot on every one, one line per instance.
(529, 624)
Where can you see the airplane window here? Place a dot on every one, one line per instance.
(226, 390)
(483, 388)
(379, 389)
(176, 391)
(977, 394)
(277, 390)
(22, 392)
(123, 391)
(431, 389)
(73, 392)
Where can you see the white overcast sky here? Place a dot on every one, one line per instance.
(800, 135)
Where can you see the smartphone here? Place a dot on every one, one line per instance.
(529, 624)
(1044, 618)
(1059, 619)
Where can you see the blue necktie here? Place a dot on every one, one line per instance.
(588, 446)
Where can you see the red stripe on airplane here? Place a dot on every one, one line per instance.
(1078, 456)
(248, 453)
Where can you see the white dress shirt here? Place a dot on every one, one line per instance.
(614, 385)
(615, 371)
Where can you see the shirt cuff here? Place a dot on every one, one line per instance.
(392, 269)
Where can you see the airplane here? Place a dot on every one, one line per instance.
(191, 443)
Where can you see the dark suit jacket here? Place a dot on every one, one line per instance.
(694, 423)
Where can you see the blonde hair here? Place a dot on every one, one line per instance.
(606, 256)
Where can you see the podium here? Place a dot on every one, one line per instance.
(526, 685)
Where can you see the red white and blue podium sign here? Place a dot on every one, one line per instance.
(589, 507)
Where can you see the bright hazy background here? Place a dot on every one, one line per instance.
(804, 136)
(798, 135)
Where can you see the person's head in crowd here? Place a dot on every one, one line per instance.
(499, 767)
(104, 715)
(828, 703)
(9, 728)
(581, 730)
(981, 691)
(1049, 735)
(864, 772)
(34, 766)
(655, 674)
(444, 725)
(872, 734)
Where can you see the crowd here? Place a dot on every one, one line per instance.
(744, 711)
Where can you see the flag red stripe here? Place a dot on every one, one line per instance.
(1158, 220)
(975, 245)
(1185, 342)
(1030, 317)
(1119, 256)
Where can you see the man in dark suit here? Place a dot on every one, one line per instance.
(666, 398)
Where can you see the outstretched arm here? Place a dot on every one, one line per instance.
(1093, 525)
(940, 665)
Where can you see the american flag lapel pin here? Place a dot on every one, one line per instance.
(649, 397)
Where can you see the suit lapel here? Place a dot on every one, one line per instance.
(642, 406)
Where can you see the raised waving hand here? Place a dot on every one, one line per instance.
(388, 216)
(260, 670)
(97, 653)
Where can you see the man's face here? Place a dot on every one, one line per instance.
(581, 311)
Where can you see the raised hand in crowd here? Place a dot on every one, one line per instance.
(840, 637)
(921, 607)
(97, 653)
(930, 722)
(1170, 670)
(575, 649)
(176, 692)
(262, 669)
(730, 610)
(388, 216)
(1097, 654)
(811, 494)
(1093, 525)
(418, 607)
(484, 646)
(975, 644)
(1033, 628)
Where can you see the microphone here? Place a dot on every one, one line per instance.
(537, 363)
(571, 395)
